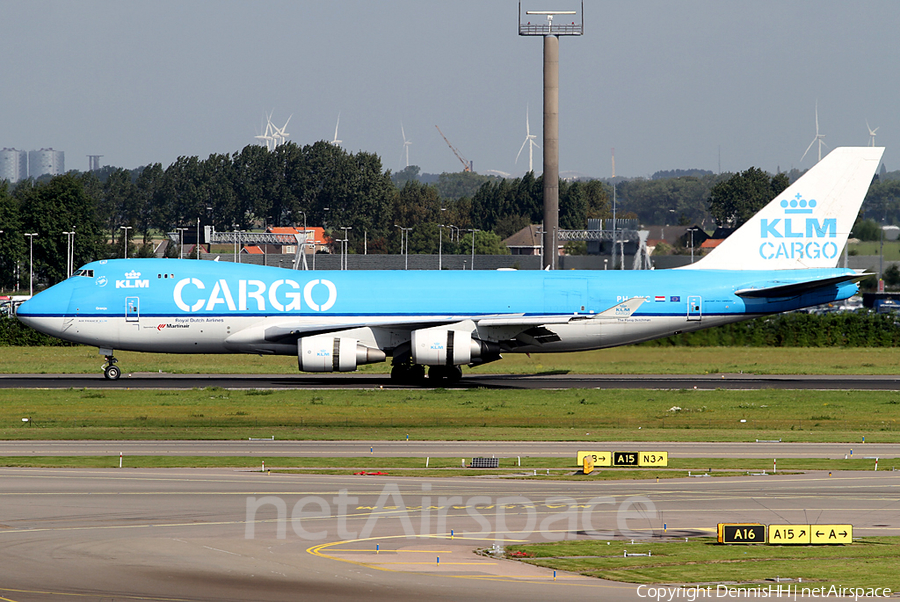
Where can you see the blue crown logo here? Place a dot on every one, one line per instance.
(798, 205)
(133, 274)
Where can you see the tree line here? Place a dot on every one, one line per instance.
(318, 185)
(322, 184)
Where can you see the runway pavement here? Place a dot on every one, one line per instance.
(471, 380)
(226, 535)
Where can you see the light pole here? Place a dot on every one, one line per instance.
(404, 248)
(31, 263)
(345, 250)
(440, 245)
(70, 258)
(126, 229)
(551, 33)
(341, 240)
(235, 246)
(473, 231)
(692, 244)
(181, 242)
(305, 240)
(881, 261)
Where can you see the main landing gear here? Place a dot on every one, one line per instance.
(412, 374)
(110, 370)
(445, 374)
(408, 374)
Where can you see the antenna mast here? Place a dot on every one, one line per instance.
(550, 32)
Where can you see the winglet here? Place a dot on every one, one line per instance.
(623, 309)
(807, 225)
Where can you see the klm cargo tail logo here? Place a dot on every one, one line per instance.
(798, 237)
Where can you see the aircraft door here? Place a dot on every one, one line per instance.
(695, 308)
(132, 309)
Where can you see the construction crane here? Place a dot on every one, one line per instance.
(467, 166)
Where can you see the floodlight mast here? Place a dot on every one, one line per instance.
(551, 33)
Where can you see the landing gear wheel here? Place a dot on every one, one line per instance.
(406, 374)
(447, 374)
(112, 372)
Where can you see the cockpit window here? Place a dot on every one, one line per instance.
(85, 273)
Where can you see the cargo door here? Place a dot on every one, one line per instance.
(132, 309)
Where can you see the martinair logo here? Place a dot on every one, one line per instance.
(132, 280)
(792, 237)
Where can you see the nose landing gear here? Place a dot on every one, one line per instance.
(110, 370)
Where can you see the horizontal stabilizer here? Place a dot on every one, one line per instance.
(794, 288)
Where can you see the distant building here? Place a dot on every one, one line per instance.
(526, 241)
(13, 165)
(317, 239)
(46, 162)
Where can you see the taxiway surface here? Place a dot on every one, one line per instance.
(225, 535)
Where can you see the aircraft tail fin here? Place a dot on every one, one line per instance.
(807, 225)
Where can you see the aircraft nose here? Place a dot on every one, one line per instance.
(43, 311)
(25, 312)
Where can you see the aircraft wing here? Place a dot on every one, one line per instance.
(794, 288)
(287, 331)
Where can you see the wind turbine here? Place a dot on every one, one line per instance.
(871, 133)
(267, 138)
(529, 140)
(818, 137)
(406, 144)
(279, 134)
(337, 142)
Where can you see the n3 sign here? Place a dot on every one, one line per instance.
(653, 459)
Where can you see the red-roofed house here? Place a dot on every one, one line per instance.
(316, 237)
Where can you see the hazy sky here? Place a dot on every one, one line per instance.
(669, 84)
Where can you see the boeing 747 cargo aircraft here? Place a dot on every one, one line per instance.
(784, 258)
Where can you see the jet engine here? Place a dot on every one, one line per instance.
(334, 354)
(447, 347)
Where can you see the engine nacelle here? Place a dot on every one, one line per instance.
(443, 347)
(334, 354)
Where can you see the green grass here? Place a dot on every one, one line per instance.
(621, 360)
(526, 467)
(868, 562)
(873, 248)
(440, 414)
